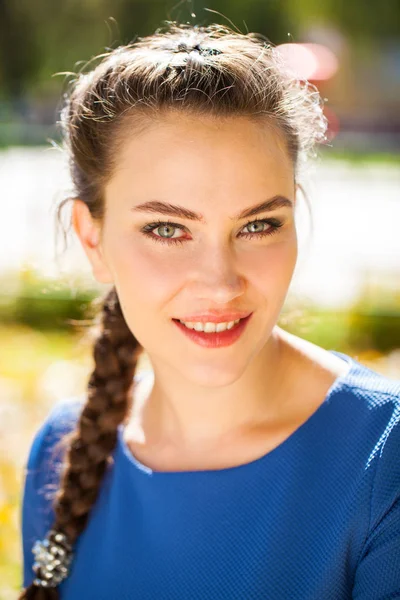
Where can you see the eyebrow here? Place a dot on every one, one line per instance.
(155, 206)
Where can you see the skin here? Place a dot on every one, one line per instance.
(244, 395)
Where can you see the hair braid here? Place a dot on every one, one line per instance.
(115, 354)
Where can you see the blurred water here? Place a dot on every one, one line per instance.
(356, 218)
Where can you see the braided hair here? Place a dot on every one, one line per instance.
(199, 69)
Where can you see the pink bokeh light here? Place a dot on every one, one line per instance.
(309, 61)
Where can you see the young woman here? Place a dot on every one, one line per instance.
(247, 463)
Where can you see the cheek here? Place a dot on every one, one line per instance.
(145, 278)
(145, 281)
(271, 269)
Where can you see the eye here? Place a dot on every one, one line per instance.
(165, 227)
(264, 227)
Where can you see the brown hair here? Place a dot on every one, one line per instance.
(200, 69)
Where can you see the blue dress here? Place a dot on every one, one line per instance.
(316, 518)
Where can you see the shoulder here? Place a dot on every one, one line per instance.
(373, 403)
(373, 397)
(377, 399)
(47, 447)
(42, 473)
(364, 404)
(376, 395)
(46, 451)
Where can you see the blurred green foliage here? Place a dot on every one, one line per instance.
(38, 39)
(348, 331)
(18, 134)
(372, 322)
(360, 157)
(42, 303)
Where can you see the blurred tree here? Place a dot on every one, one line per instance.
(40, 38)
(270, 18)
(361, 20)
(20, 57)
(140, 17)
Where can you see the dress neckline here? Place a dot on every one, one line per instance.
(335, 388)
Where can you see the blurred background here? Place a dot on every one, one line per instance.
(345, 294)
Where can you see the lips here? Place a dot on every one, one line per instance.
(217, 339)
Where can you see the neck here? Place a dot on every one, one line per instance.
(191, 416)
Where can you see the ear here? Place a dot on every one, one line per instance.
(89, 234)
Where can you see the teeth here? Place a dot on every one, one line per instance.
(210, 327)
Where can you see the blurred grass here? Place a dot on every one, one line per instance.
(23, 134)
(28, 388)
(358, 157)
(43, 358)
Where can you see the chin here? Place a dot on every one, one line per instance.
(215, 374)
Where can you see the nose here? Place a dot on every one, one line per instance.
(216, 276)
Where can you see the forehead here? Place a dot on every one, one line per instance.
(190, 156)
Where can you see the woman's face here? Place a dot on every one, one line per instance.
(216, 168)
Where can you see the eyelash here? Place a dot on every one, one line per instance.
(274, 224)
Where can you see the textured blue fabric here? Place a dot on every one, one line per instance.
(317, 518)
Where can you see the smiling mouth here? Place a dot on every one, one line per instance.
(206, 335)
(209, 327)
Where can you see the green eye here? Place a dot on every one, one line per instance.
(259, 224)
